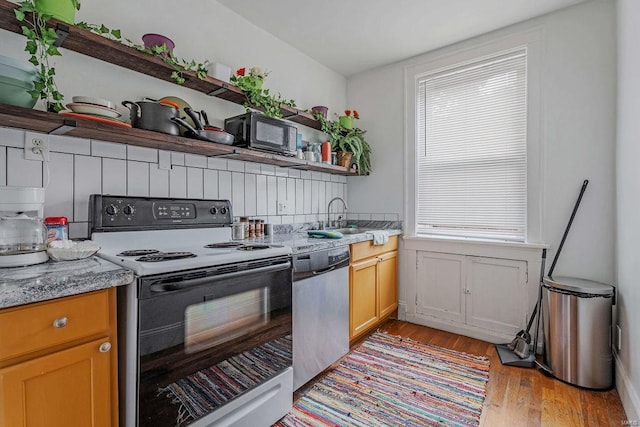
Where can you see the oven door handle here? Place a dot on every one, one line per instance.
(182, 284)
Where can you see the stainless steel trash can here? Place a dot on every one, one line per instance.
(577, 331)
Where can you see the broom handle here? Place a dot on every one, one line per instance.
(566, 231)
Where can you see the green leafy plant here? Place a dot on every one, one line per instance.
(180, 65)
(349, 141)
(257, 97)
(40, 45)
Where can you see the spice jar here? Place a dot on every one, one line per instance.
(252, 228)
(238, 230)
(245, 221)
(57, 228)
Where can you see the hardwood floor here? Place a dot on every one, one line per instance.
(523, 397)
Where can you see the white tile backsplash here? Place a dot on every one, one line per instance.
(67, 144)
(158, 181)
(237, 192)
(80, 167)
(195, 183)
(79, 230)
(178, 181)
(164, 159)
(250, 196)
(177, 158)
(224, 185)
(87, 180)
(3, 166)
(114, 176)
(272, 195)
(210, 184)
(21, 172)
(195, 160)
(108, 149)
(142, 154)
(138, 179)
(217, 163)
(11, 137)
(60, 189)
(261, 195)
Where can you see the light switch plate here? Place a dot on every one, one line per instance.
(283, 207)
(36, 146)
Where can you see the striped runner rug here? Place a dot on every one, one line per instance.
(394, 381)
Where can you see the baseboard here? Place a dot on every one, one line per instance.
(628, 394)
(456, 328)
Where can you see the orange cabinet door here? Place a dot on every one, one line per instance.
(388, 283)
(363, 296)
(64, 389)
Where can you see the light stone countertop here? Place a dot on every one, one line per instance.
(24, 285)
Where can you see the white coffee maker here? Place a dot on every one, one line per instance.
(23, 236)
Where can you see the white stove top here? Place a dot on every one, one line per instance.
(177, 240)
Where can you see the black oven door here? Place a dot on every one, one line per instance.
(208, 336)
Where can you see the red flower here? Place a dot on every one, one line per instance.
(356, 114)
(241, 71)
(347, 112)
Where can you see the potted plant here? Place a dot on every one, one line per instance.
(40, 45)
(346, 121)
(63, 10)
(257, 97)
(350, 144)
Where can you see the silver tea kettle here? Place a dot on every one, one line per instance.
(23, 240)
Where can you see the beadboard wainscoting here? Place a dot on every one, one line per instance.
(79, 167)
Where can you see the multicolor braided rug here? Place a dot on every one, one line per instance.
(394, 381)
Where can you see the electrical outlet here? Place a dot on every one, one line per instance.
(36, 146)
(619, 340)
(283, 207)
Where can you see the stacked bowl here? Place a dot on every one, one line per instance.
(93, 106)
(16, 80)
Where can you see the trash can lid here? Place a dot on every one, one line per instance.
(583, 286)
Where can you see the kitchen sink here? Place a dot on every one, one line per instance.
(351, 230)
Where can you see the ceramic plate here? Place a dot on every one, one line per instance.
(94, 101)
(98, 110)
(100, 119)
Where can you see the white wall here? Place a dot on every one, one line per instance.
(201, 30)
(578, 131)
(628, 204)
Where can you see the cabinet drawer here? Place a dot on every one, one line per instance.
(368, 249)
(47, 324)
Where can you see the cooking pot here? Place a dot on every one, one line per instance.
(153, 115)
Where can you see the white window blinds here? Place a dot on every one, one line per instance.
(471, 149)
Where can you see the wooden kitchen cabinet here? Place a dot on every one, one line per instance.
(373, 285)
(58, 362)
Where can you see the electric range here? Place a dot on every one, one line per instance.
(201, 304)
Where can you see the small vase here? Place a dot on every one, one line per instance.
(346, 122)
(63, 10)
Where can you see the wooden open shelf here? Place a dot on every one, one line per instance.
(96, 46)
(113, 52)
(52, 123)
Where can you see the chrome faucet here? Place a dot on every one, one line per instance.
(337, 223)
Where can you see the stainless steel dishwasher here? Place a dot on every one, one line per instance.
(320, 311)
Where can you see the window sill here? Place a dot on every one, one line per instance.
(472, 246)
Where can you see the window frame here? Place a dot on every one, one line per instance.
(450, 57)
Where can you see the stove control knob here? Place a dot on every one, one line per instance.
(129, 210)
(213, 210)
(223, 211)
(111, 210)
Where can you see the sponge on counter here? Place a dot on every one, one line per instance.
(325, 234)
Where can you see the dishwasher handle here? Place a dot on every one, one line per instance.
(326, 270)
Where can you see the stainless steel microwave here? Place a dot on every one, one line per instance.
(255, 130)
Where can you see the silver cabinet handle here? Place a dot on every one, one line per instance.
(105, 347)
(60, 322)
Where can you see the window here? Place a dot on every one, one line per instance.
(471, 148)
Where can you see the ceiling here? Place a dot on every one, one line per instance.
(353, 36)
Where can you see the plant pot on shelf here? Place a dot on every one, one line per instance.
(344, 159)
(63, 10)
(346, 122)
